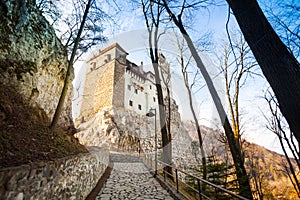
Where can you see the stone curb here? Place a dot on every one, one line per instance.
(100, 183)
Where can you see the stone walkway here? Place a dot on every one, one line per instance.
(130, 179)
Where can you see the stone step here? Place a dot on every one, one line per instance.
(131, 180)
(116, 157)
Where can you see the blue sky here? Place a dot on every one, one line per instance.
(130, 34)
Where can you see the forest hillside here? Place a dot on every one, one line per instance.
(267, 169)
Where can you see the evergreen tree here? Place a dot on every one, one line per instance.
(218, 173)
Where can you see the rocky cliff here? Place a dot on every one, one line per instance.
(32, 62)
(33, 65)
(125, 130)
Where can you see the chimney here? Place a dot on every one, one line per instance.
(141, 67)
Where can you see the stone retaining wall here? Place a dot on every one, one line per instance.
(66, 178)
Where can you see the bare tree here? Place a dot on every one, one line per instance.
(278, 64)
(70, 67)
(166, 80)
(236, 63)
(284, 17)
(82, 28)
(92, 31)
(67, 24)
(256, 173)
(79, 29)
(276, 125)
(49, 9)
(189, 86)
(235, 147)
(152, 14)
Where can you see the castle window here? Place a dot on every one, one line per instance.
(130, 103)
(129, 87)
(154, 99)
(94, 66)
(140, 107)
(150, 87)
(136, 91)
(108, 57)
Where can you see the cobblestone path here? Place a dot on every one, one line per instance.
(130, 179)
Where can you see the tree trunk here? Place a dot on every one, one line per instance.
(168, 124)
(235, 149)
(203, 155)
(153, 50)
(166, 143)
(70, 67)
(278, 65)
(188, 88)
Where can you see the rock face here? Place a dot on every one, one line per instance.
(32, 59)
(120, 129)
(117, 128)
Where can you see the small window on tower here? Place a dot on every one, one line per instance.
(140, 107)
(136, 91)
(108, 57)
(129, 87)
(130, 103)
(150, 87)
(154, 99)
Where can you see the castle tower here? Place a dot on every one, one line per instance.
(104, 82)
(165, 76)
(114, 81)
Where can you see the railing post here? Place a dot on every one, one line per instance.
(216, 192)
(199, 182)
(176, 172)
(199, 188)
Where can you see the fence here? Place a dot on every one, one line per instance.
(203, 189)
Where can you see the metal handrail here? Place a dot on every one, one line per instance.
(201, 180)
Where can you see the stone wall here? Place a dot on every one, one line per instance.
(93, 91)
(66, 178)
(104, 88)
(119, 85)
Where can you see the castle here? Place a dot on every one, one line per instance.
(113, 81)
(116, 98)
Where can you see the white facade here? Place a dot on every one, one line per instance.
(137, 86)
(140, 90)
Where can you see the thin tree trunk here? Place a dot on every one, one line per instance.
(166, 144)
(294, 180)
(227, 92)
(70, 67)
(278, 64)
(234, 146)
(275, 127)
(168, 117)
(203, 155)
(186, 83)
(153, 48)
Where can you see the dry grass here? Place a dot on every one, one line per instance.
(25, 135)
